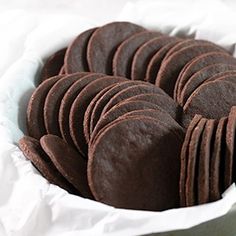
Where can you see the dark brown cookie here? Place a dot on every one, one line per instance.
(229, 150)
(145, 53)
(212, 100)
(104, 42)
(155, 62)
(33, 151)
(53, 65)
(69, 162)
(67, 102)
(76, 54)
(128, 177)
(198, 64)
(89, 111)
(200, 77)
(164, 102)
(192, 166)
(130, 92)
(172, 66)
(204, 162)
(101, 103)
(217, 161)
(80, 105)
(124, 54)
(53, 102)
(222, 74)
(35, 121)
(184, 158)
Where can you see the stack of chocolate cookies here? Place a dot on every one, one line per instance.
(135, 118)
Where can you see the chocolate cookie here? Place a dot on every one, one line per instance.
(67, 102)
(184, 158)
(204, 162)
(124, 54)
(53, 65)
(192, 166)
(33, 151)
(212, 100)
(104, 42)
(217, 161)
(53, 102)
(101, 103)
(145, 53)
(200, 77)
(76, 54)
(199, 63)
(69, 162)
(35, 122)
(172, 66)
(130, 92)
(80, 105)
(128, 177)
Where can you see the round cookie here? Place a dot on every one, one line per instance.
(184, 158)
(35, 122)
(229, 150)
(172, 66)
(89, 111)
(145, 53)
(221, 75)
(200, 77)
(33, 151)
(79, 106)
(164, 102)
(76, 54)
(199, 63)
(119, 110)
(53, 102)
(136, 176)
(104, 42)
(69, 162)
(53, 65)
(124, 54)
(192, 166)
(130, 92)
(204, 162)
(67, 102)
(217, 162)
(212, 100)
(155, 62)
(100, 104)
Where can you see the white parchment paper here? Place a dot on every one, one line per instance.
(28, 204)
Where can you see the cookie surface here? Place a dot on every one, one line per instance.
(76, 54)
(53, 65)
(69, 162)
(124, 54)
(35, 121)
(104, 42)
(33, 151)
(131, 189)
